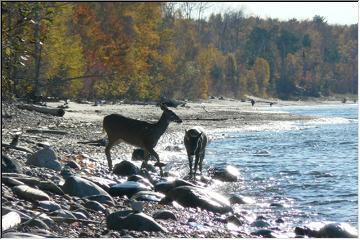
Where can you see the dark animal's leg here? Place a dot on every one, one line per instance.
(152, 152)
(196, 163)
(147, 156)
(108, 154)
(190, 157)
(202, 155)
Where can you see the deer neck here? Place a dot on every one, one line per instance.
(161, 125)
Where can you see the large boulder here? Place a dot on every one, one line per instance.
(148, 196)
(126, 168)
(127, 188)
(77, 186)
(189, 196)
(133, 221)
(46, 158)
(329, 230)
(9, 165)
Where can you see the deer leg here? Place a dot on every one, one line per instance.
(202, 155)
(152, 152)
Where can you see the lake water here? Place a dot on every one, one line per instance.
(309, 167)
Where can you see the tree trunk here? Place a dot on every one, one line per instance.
(52, 111)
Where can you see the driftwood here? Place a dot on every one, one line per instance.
(60, 132)
(47, 110)
(16, 147)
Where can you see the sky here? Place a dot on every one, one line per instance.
(333, 12)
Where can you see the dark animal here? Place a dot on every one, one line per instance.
(195, 141)
(137, 133)
(252, 102)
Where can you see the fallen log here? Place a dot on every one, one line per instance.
(60, 132)
(47, 110)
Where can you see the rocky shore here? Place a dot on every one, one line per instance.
(54, 186)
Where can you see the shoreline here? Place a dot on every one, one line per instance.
(83, 122)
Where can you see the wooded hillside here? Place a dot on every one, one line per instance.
(142, 51)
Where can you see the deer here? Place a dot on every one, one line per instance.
(137, 133)
(195, 141)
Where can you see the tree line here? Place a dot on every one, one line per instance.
(144, 50)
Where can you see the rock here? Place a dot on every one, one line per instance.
(164, 214)
(77, 186)
(227, 174)
(265, 233)
(49, 205)
(74, 165)
(140, 179)
(279, 205)
(20, 235)
(101, 182)
(138, 155)
(80, 215)
(166, 186)
(10, 220)
(103, 199)
(260, 224)
(46, 158)
(335, 230)
(11, 182)
(189, 196)
(238, 199)
(127, 188)
(133, 221)
(25, 217)
(63, 214)
(234, 220)
(94, 205)
(29, 193)
(126, 168)
(9, 165)
(51, 187)
(148, 196)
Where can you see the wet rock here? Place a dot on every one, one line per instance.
(127, 188)
(148, 196)
(266, 233)
(94, 205)
(77, 186)
(279, 220)
(103, 199)
(74, 165)
(238, 199)
(46, 158)
(138, 155)
(133, 221)
(10, 220)
(49, 205)
(227, 174)
(278, 205)
(125, 168)
(29, 193)
(260, 223)
(164, 214)
(10, 165)
(330, 230)
(189, 196)
(166, 186)
(234, 220)
(337, 230)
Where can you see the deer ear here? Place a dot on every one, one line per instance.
(163, 106)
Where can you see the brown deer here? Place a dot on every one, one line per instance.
(137, 133)
(195, 141)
